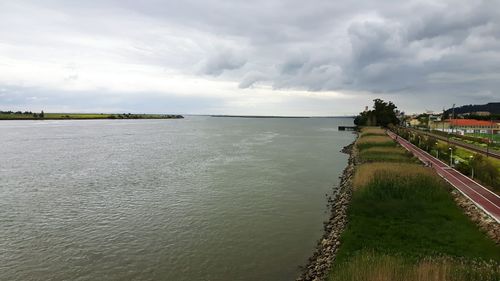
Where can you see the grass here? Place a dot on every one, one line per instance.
(495, 137)
(375, 146)
(404, 225)
(463, 154)
(369, 266)
(385, 153)
(365, 142)
(15, 116)
(372, 131)
(411, 214)
(366, 173)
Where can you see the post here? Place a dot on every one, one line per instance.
(451, 157)
(452, 117)
(491, 138)
(472, 167)
(437, 151)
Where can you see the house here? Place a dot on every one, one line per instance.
(414, 122)
(469, 126)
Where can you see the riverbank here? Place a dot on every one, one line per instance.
(320, 262)
(394, 219)
(9, 115)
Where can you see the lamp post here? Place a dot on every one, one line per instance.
(472, 167)
(451, 157)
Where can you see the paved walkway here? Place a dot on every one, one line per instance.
(478, 194)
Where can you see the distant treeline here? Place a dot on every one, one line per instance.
(492, 107)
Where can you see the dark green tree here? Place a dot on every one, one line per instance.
(383, 114)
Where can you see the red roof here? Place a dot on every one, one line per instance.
(470, 122)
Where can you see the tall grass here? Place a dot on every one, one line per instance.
(404, 225)
(372, 131)
(365, 142)
(366, 173)
(369, 266)
(386, 150)
(385, 153)
(412, 214)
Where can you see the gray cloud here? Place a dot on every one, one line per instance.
(432, 50)
(221, 60)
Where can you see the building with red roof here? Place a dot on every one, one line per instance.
(462, 126)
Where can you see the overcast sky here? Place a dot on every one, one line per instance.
(247, 57)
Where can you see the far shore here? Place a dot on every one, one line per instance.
(9, 115)
(271, 116)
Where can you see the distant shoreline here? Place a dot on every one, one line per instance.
(83, 116)
(260, 116)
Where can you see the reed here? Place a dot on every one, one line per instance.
(365, 142)
(369, 266)
(365, 173)
(406, 209)
(372, 131)
(386, 153)
(404, 225)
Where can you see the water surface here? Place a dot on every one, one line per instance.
(195, 199)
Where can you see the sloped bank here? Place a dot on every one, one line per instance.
(320, 262)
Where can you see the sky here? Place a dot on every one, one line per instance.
(260, 57)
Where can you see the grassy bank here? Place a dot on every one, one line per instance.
(62, 116)
(404, 224)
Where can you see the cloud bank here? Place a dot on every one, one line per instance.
(247, 57)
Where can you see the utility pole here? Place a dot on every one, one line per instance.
(452, 117)
(491, 137)
(472, 167)
(451, 157)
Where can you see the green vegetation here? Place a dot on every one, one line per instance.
(414, 215)
(383, 114)
(387, 153)
(481, 140)
(486, 170)
(381, 267)
(28, 115)
(374, 141)
(404, 225)
(494, 137)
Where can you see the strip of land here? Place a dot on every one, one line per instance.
(9, 115)
(403, 223)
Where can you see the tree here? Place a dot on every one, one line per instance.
(41, 115)
(383, 114)
(429, 143)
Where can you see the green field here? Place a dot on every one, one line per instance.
(495, 137)
(404, 225)
(61, 116)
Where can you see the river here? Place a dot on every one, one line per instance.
(200, 198)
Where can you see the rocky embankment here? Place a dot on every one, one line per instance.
(483, 220)
(320, 262)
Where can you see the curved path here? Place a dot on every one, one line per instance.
(462, 144)
(478, 194)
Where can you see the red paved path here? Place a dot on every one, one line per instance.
(481, 196)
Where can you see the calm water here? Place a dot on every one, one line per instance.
(195, 199)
